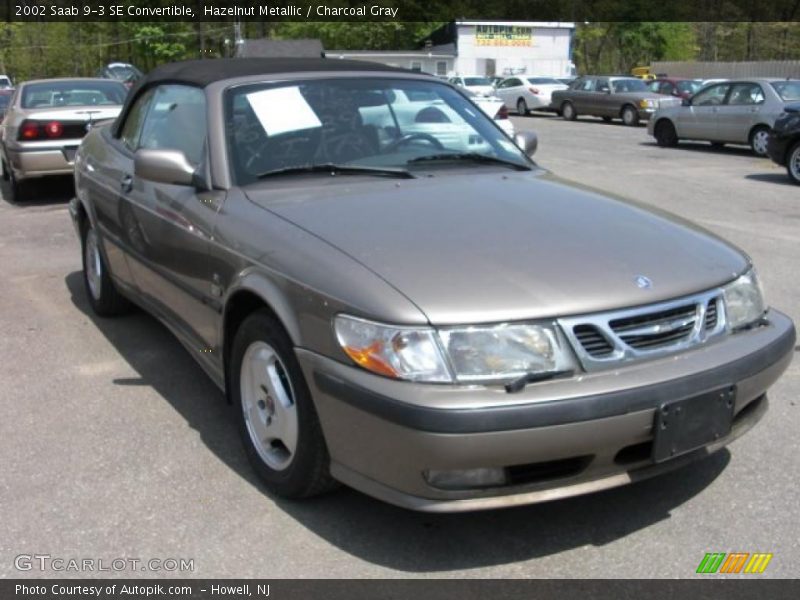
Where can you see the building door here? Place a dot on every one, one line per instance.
(491, 67)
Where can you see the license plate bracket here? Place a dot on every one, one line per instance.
(685, 425)
(69, 153)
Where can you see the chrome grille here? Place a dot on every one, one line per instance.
(603, 340)
(592, 340)
(711, 314)
(656, 329)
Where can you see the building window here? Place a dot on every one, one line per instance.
(416, 65)
(441, 67)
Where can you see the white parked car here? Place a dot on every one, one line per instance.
(478, 85)
(494, 107)
(528, 93)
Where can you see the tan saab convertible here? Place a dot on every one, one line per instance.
(393, 295)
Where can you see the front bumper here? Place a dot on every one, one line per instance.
(777, 146)
(383, 435)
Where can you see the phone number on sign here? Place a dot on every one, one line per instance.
(117, 10)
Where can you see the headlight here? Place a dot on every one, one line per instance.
(505, 351)
(400, 352)
(463, 354)
(646, 103)
(744, 301)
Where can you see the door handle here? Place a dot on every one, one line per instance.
(126, 183)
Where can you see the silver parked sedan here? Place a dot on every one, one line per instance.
(46, 120)
(394, 296)
(740, 111)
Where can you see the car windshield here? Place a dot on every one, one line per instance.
(370, 123)
(51, 94)
(789, 91)
(543, 81)
(476, 81)
(689, 87)
(621, 86)
(4, 98)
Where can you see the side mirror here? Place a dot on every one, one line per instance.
(527, 142)
(686, 102)
(164, 166)
(607, 91)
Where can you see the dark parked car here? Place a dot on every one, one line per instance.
(783, 144)
(393, 295)
(5, 99)
(625, 98)
(671, 86)
(124, 72)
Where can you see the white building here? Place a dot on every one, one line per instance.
(485, 48)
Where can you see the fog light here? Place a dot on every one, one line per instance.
(465, 479)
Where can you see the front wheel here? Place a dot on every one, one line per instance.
(665, 134)
(277, 421)
(522, 107)
(758, 140)
(568, 112)
(793, 163)
(630, 116)
(104, 298)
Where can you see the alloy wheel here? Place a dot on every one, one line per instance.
(268, 405)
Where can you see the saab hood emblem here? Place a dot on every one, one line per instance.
(643, 282)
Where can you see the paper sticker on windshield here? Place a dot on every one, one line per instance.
(283, 109)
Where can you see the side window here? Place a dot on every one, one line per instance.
(176, 121)
(132, 128)
(746, 93)
(653, 86)
(712, 96)
(602, 85)
(667, 88)
(587, 85)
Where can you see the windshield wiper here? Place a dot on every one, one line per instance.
(471, 156)
(336, 169)
(519, 384)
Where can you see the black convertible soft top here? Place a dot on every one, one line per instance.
(201, 73)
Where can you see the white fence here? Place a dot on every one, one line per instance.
(730, 70)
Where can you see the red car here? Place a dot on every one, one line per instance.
(671, 86)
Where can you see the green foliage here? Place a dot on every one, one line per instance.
(29, 50)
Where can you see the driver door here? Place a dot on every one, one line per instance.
(171, 225)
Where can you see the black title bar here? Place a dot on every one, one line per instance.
(399, 10)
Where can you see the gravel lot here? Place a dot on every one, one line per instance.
(114, 443)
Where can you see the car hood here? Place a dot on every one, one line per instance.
(500, 246)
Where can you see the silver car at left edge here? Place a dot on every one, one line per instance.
(46, 121)
(394, 296)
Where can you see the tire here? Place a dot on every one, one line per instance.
(793, 163)
(18, 190)
(522, 108)
(104, 298)
(607, 119)
(568, 112)
(665, 134)
(5, 171)
(630, 116)
(758, 140)
(277, 421)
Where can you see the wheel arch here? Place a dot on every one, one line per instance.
(252, 293)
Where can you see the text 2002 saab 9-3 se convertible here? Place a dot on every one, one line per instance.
(394, 296)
